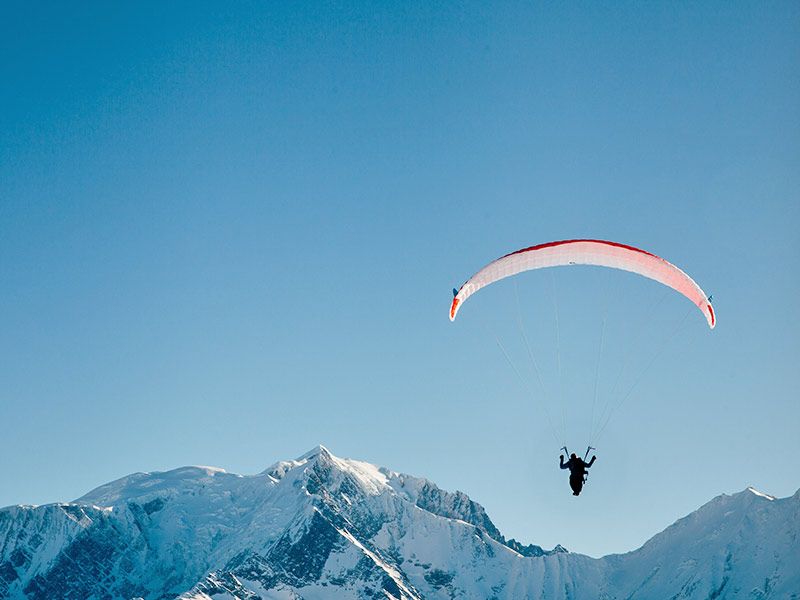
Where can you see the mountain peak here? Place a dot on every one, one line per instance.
(753, 490)
(318, 450)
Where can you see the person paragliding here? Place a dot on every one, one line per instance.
(586, 252)
(577, 471)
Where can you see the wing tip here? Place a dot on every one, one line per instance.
(454, 309)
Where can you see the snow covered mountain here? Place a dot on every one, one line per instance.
(322, 527)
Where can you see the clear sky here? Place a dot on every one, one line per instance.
(229, 233)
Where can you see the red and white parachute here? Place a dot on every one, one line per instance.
(586, 252)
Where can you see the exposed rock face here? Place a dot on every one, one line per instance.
(324, 527)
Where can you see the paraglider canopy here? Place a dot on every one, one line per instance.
(599, 253)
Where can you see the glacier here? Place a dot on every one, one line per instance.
(323, 527)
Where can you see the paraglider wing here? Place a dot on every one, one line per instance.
(598, 253)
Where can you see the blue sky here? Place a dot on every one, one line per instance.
(229, 233)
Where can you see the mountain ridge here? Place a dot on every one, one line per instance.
(321, 526)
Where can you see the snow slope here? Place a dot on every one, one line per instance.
(326, 527)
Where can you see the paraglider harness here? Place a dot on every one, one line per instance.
(585, 456)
